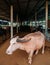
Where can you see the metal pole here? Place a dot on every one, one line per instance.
(17, 23)
(35, 19)
(46, 26)
(11, 21)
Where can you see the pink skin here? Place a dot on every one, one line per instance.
(37, 42)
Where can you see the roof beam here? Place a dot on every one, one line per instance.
(4, 17)
(34, 7)
(27, 6)
(42, 8)
(3, 13)
(7, 2)
(3, 10)
(41, 5)
(18, 8)
(18, 5)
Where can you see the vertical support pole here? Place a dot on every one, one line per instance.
(46, 26)
(11, 21)
(17, 23)
(35, 19)
(31, 26)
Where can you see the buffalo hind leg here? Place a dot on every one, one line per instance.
(30, 57)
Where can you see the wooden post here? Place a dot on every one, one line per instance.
(46, 26)
(11, 20)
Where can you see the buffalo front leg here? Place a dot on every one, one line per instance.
(43, 49)
(30, 57)
(36, 52)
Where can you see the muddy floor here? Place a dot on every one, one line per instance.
(19, 57)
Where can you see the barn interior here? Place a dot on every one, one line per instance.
(20, 17)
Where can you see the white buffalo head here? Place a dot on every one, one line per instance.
(13, 46)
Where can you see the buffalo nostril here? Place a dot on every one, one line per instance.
(7, 51)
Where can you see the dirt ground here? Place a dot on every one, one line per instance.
(19, 57)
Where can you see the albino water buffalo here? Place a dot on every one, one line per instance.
(30, 43)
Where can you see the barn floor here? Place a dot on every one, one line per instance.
(19, 57)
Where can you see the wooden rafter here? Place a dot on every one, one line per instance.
(7, 2)
(27, 6)
(18, 4)
(4, 10)
(42, 5)
(34, 7)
